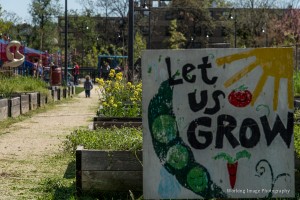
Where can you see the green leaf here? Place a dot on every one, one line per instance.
(224, 156)
(242, 154)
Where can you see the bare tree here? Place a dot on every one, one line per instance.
(288, 4)
(265, 3)
(254, 3)
(106, 9)
(88, 6)
(252, 19)
(287, 27)
(120, 8)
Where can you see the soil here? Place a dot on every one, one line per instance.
(25, 144)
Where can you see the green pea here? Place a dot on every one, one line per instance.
(177, 156)
(197, 179)
(164, 128)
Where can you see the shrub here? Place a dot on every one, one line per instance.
(118, 98)
(124, 138)
(19, 84)
(296, 83)
(297, 133)
(297, 139)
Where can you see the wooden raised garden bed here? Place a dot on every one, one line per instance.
(14, 105)
(4, 109)
(98, 170)
(107, 122)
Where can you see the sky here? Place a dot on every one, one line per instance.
(20, 7)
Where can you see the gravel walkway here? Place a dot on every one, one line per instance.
(41, 135)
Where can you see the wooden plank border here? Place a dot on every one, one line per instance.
(79, 170)
(98, 171)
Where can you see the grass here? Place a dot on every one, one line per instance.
(59, 187)
(49, 179)
(21, 84)
(78, 90)
(54, 175)
(126, 138)
(59, 182)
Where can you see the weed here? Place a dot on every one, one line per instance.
(19, 84)
(126, 138)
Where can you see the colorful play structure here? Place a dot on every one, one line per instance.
(16, 58)
(12, 49)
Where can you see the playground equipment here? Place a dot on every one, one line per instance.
(21, 56)
(14, 57)
(114, 62)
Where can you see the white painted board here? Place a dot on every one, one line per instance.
(218, 123)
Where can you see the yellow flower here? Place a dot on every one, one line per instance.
(139, 90)
(133, 99)
(132, 87)
(111, 101)
(113, 71)
(115, 91)
(129, 84)
(100, 81)
(117, 85)
(111, 75)
(119, 76)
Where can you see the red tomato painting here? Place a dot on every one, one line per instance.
(240, 97)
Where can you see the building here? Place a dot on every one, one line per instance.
(152, 18)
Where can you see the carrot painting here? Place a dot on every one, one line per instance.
(232, 164)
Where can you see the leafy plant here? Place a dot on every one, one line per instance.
(177, 39)
(118, 98)
(297, 139)
(126, 138)
(18, 84)
(296, 83)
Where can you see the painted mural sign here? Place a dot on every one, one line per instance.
(218, 123)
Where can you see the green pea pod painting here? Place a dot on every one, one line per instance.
(174, 154)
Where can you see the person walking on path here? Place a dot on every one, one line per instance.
(76, 73)
(87, 86)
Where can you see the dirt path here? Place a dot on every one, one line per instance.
(26, 143)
